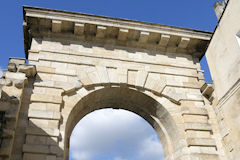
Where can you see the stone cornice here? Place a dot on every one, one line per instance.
(48, 22)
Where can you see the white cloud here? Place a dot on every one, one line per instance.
(0, 72)
(114, 135)
(119, 158)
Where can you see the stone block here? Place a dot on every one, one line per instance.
(43, 114)
(194, 111)
(195, 119)
(102, 73)
(92, 75)
(17, 61)
(173, 95)
(19, 83)
(39, 149)
(113, 77)
(132, 77)
(198, 134)
(45, 106)
(42, 140)
(29, 70)
(29, 156)
(46, 98)
(56, 26)
(5, 82)
(206, 142)
(11, 92)
(45, 69)
(43, 131)
(12, 67)
(200, 156)
(32, 56)
(203, 149)
(65, 71)
(78, 28)
(43, 123)
(68, 87)
(4, 105)
(141, 78)
(41, 83)
(44, 76)
(122, 75)
(48, 91)
(61, 78)
(5, 151)
(198, 127)
(12, 75)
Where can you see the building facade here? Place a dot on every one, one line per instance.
(223, 56)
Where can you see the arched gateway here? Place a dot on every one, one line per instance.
(79, 63)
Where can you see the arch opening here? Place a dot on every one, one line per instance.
(114, 134)
(131, 100)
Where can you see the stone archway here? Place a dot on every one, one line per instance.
(132, 100)
(79, 63)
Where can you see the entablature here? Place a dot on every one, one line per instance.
(40, 22)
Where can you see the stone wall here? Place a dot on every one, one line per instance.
(66, 73)
(75, 68)
(13, 83)
(223, 56)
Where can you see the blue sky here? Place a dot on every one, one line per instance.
(114, 135)
(195, 14)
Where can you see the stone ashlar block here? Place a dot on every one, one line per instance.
(5, 82)
(204, 156)
(19, 83)
(44, 69)
(29, 70)
(17, 61)
(42, 140)
(5, 151)
(44, 114)
(4, 105)
(198, 126)
(39, 149)
(194, 111)
(43, 131)
(195, 118)
(46, 98)
(12, 75)
(207, 142)
(30, 156)
(12, 67)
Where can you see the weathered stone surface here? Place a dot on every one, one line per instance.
(208, 142)
(198, 127)
(5, 82)
(30, 156)
(17, 61)
(29, 70)
(42, 131)
(12, 75)
(43, 114)
(46, 98)
(194, 111)
(12, 67)
(19, 83)
(85, 63)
